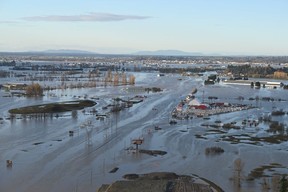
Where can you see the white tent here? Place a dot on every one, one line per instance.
(194, 102)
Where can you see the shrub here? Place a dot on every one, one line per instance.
(214, 150)
(276, 127)
(34, 90)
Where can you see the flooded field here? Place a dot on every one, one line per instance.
(46, 158)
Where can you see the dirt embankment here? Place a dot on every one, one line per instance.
(160, 182)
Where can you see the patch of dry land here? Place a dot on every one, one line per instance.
(160, 182)
(54, 107)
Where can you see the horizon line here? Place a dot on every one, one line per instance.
(153, 53)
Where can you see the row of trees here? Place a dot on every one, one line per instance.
(251, 71)
(119, 78)
(116, 78)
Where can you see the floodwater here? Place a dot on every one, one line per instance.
(45, 158)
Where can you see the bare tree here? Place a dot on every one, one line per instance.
(34, 90)
(275, 183)
(265, 185)
(132, 80)
(124, 79)
(238, 169)
(116, 79)
(109, 75)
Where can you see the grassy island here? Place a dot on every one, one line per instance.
(54, 107)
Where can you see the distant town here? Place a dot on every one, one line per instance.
(146, 59)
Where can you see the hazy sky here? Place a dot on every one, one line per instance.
(125, 26)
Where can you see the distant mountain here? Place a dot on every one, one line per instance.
(67, 51)
(73, 52)
(168, 53)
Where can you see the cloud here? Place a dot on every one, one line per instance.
(91, 17)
